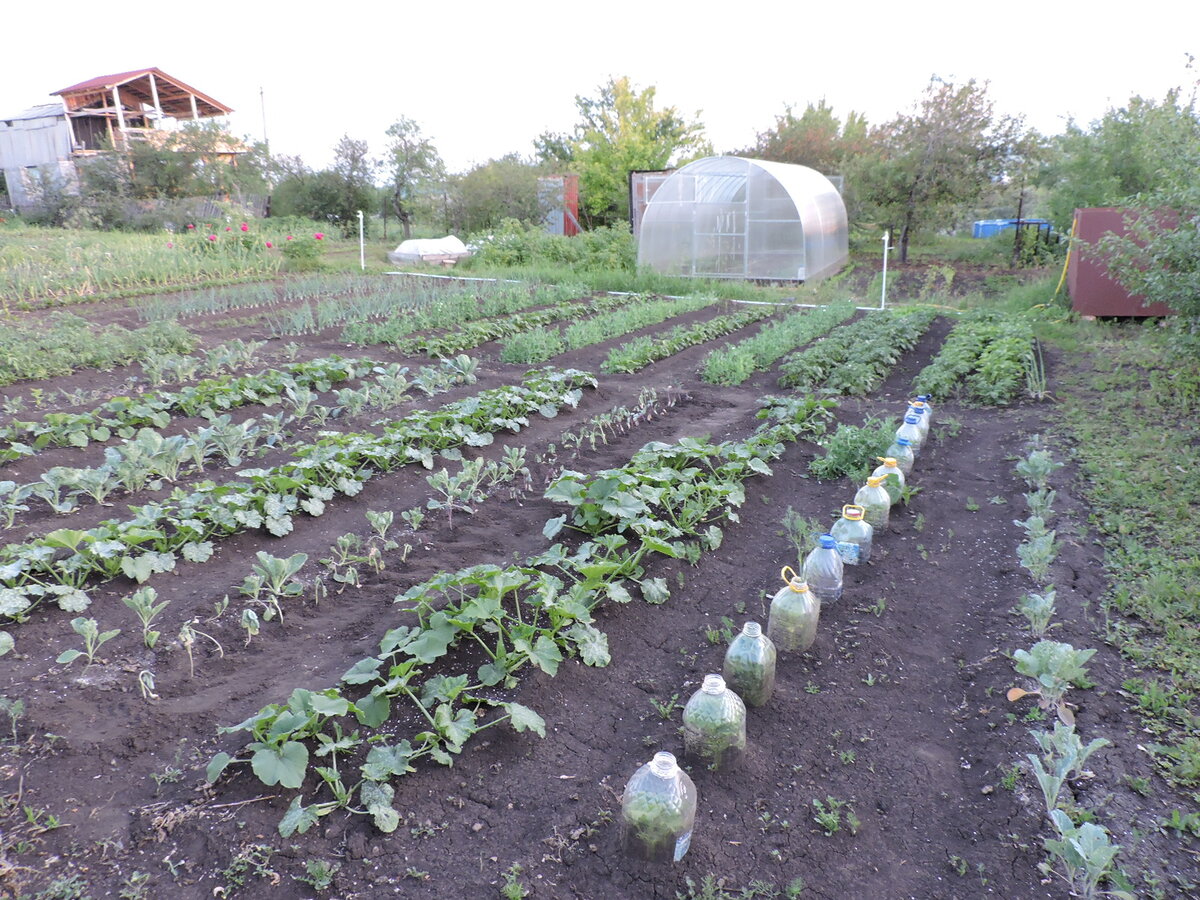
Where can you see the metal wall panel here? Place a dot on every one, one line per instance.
(1093, 292)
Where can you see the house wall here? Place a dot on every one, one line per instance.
(35, 150)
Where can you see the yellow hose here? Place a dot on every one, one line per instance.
(1067, 261)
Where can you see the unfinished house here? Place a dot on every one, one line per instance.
(41, 146)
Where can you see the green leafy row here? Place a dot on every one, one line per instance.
(61, 563)
(855, 359)
(149, 459)
(734, 364)
(984, 359)
(67, 343)
(123, 416)
(452, 310)
(640, 352)
(475, 333)
(536, 614)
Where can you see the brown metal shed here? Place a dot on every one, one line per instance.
(1093, 291)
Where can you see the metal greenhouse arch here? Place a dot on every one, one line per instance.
(730, 217)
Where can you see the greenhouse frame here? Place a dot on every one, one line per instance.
(730, 217)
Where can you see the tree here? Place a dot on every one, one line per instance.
(816, 138)
(1125, 153)
(333, 195)
(620, 131)
(941, 158)
(415, 166)
(499, 189)
(1160, 258)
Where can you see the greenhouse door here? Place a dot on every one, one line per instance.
(719, 226)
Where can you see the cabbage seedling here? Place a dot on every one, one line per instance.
(93, 638)
(1056, 666)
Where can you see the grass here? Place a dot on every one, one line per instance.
(1130, 403)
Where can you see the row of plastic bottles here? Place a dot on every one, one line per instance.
(658, 807)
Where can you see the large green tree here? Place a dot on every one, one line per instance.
(816, 138)
(491, 192)
(1131, 150)
(620, 130)
(334, 195)
(414, 168)
(929, 165)
(1160, 258)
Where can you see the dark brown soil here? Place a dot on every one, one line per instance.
(898, 710)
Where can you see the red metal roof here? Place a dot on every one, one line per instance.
(107, 82)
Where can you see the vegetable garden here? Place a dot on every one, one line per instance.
(370, 587)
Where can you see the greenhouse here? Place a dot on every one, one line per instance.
(728, 217)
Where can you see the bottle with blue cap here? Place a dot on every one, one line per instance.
(927, 399)
(911, 429)
(917, 408)
(901, 451)
(823, 570)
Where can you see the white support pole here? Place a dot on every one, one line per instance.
(154, 94)
(120, 112)
(362, 247)
(195, 109)
(886, 248)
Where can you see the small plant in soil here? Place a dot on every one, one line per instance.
(1083, 857)
(1038, 610)
(1056, 667)
(142, 602)
(513, 888)
(93, 639)
(828, 815)
(14, 709)
(273, 579)
(666, 708)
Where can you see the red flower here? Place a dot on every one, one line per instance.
(169, 245)
(289, 237)
(245, 227)
(229, 228)
(269, 245)
(212, 237)
(191, 228)
(319, 236)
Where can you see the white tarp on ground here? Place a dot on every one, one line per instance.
(446, 249)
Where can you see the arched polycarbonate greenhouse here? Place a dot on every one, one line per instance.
(729, 217)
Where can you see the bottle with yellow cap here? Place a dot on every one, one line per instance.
(854, 535)
(893, 477)
(749, 668)
(875, 501)
(714, 725)
(792, 626)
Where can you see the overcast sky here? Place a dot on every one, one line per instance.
(484, 79)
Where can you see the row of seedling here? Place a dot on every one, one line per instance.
(1082, 852)
(658, 806)
(150, 459)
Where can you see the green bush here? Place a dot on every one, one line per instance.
(515, 244)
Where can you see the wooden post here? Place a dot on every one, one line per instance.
(195, 111)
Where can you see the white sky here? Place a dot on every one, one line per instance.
(485, 78)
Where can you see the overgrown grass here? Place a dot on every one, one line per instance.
(41, 266)
(1131, 404)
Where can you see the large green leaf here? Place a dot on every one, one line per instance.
(546, 655)
(522, 718)
(298, 818)
(377, 798)
(284, 765)
(592, 644)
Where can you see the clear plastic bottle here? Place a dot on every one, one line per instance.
(877, 505)
(901, 451)
(917, 408)
(893, 477)
(714, 725)
(854, 535)
(749, 667)
(823, 570)
(927, 399)
(792, 626)
(658, 811)
(911, 429)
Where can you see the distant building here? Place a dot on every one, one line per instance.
(40, 147)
